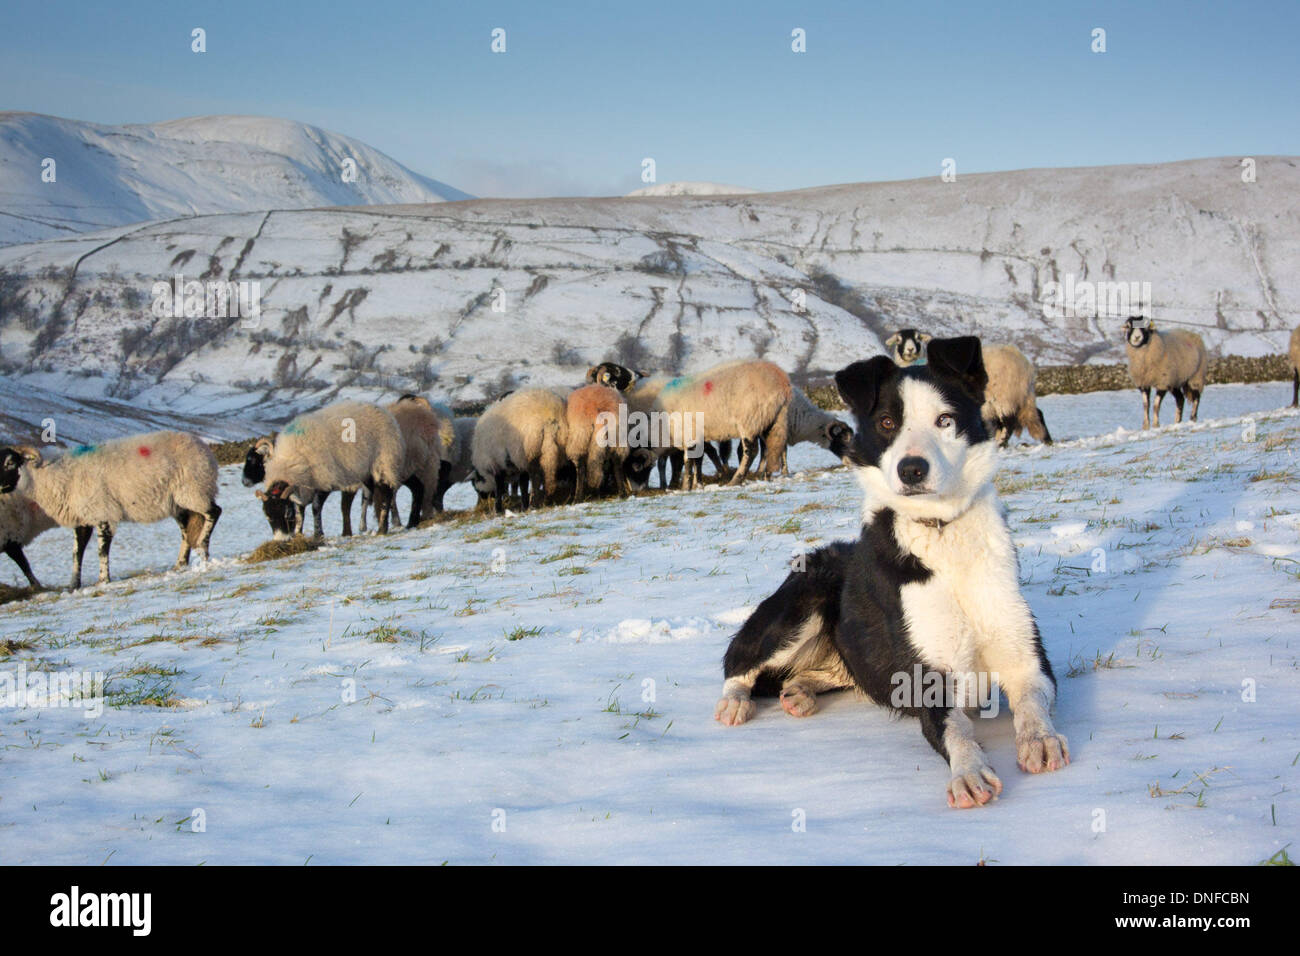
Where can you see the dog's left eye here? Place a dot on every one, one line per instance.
(944, 421)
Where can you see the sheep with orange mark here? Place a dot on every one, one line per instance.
(593, 442)
(139, 479)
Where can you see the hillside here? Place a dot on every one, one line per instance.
(470, 298)
(114, 175)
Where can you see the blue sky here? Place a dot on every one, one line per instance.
(710, 90)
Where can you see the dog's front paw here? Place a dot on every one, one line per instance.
(732, 711)
(974, 788)
(1041, 752)
(798, 701)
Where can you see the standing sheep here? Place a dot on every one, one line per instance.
(423, 436)
(734, 400)
(810, 423)
(341, 447)
(592, 415)
(140, 479)
(21, 520)
(283, 515)
(1166, 361)
(1295, 366)
(1009, 400)
(522, 435)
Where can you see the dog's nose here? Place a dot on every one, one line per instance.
(912, 470)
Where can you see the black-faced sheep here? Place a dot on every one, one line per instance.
(284, 515)
(907, 346)
(618, 377)
(1166, 361)
(521, 436)
(1294, 353)
(809, 423)
(140, 479)
(592, 440)
(734, 400)
(1010, 404)
(342, 447)
(21, 520)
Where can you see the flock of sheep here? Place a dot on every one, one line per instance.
(553, 446)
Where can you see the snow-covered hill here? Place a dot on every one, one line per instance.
(539, 688)
(466, 299)
(691, 189)
(114, 175)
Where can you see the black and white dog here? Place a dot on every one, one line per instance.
(930, 589)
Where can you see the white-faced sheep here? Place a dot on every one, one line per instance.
(1295, 366)
(140, 479)
(521, 436)
(907, 346)
(21, 520)
(593, 415)
(1010, 404)
(1166, 361)
(808, 423)
(734, 400)
(342, 447)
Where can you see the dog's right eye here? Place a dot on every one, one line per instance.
(886, 423)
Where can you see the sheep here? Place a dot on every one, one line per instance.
(1009, 400)
(1166, 361)
(733, 400)
(463, 450)
(523, 436)
(618, 377)
(341, 447)
(640, 399)
(593, 414)
(809, 423)
(283, 515)
(141, 479)
(425, 434)
(908, 347)
(455, 450)
(21, 520)
(1295, 366)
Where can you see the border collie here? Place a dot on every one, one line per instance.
(930, 591)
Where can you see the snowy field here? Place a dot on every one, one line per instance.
(540, 688)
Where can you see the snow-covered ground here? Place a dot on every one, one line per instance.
(366, 702)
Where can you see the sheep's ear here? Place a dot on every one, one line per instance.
(859, 384)
(591, 374)
(893, 340)
(30, 454)
(960, 358)
(924, 337)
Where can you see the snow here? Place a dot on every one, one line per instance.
(114, 175)
(365, 702)
(687, 188)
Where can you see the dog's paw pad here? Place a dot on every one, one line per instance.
(733, 710)
(973, 789)
(798, 702)
(1042, 752)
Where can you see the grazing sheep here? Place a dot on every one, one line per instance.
(283, 515)
(140, 479)
(521, 436)
(809, 423)
(1295, 366)
(341, 447)
(1166, 361)
(592, 415)
(21, 520)
(733, 400)
(425, 434)
(455, 449)
(1009, 400)
(908, 347)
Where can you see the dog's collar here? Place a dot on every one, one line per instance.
(931, 523)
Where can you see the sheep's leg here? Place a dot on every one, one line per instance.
(1038, 427)
(15, 551)
(579, 479)
(205, 530)
(662, 467)
(499, 482)
(345, 508)
(539, 477)
(1196, 402)
(444, 482)
(1295, 392)
(384, 495)
(716, 460)
(82, 535)
(1178, 401)
(1146, 407)
(1160, 400)
(596, 472)
(317, 503)
(677, 459)
(620, 479)
(774, 442)
(747, 448)
(299, 517)
(417, 503)
(105, 543)
(724, 452)
(183, 519)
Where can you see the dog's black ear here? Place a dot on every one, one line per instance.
(960, 358)
(859, 384)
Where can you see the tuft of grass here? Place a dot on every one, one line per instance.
(278, 548)
(520, 632)
(1279, 858)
